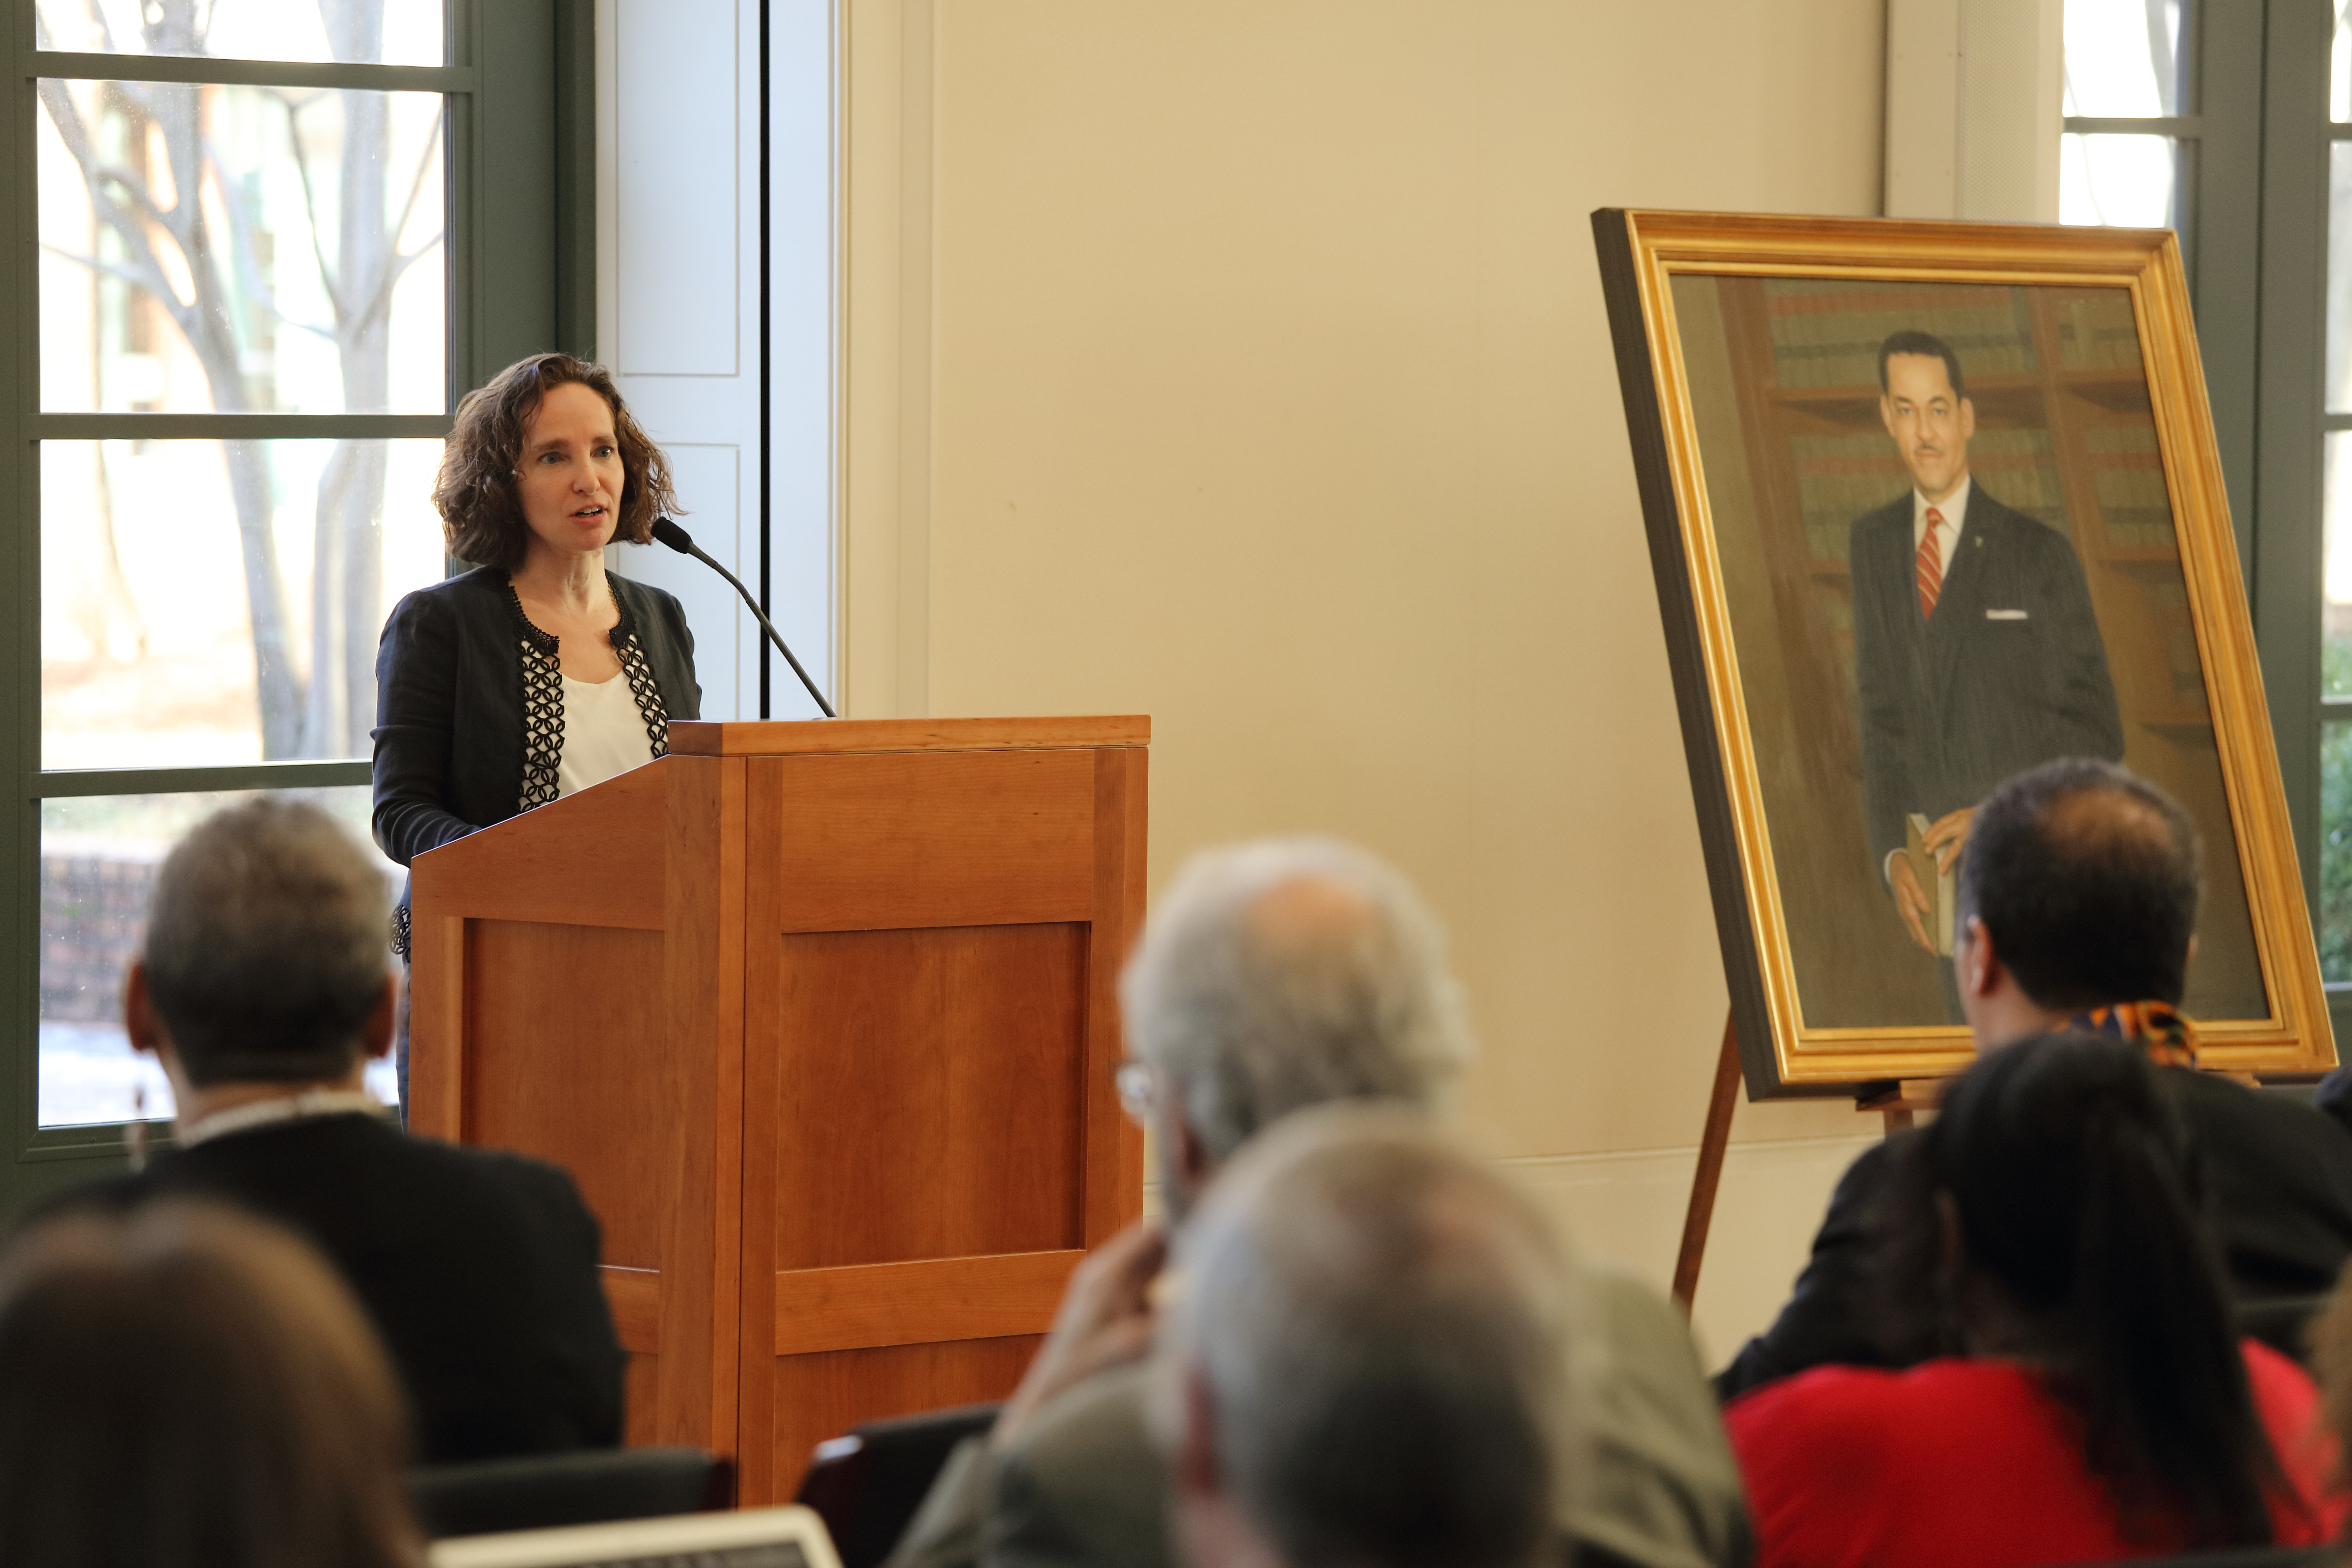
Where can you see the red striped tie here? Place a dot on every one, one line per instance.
(1930, 567)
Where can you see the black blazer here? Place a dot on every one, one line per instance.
(2279, 1176)
(2009, 672)
(479, 1269)
(449, 702)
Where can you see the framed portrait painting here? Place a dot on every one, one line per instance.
(1930, 503)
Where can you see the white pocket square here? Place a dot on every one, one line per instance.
(2005, 615)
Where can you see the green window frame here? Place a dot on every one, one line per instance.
(520, 260)
(2253, 206)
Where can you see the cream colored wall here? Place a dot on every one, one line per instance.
(1242, 363)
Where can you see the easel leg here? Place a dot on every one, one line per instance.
(1709, 1174)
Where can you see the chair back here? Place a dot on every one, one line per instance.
(2246, 1557)
(868, 1485)
(541, 1491)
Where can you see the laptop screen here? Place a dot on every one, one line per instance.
(756, 1538)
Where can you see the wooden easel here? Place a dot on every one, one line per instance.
(1898, 1103)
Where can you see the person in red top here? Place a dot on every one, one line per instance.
(2093, 1401)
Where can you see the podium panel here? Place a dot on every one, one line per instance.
(937, 1075)
(574, 998)
(822, 1016)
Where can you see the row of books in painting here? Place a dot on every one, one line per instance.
(1840, 478)
(2138, 527)
(1827, 333)
(2134, 508)
(2096, 331)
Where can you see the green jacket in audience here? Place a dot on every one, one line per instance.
(1083, 1487)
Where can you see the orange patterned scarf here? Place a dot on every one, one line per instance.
(2169, 1037)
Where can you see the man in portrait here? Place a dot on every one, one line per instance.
(1976, 655)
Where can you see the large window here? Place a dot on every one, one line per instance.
(2129, 156)
(2231, 121)
(256, 282)
(2334, 422)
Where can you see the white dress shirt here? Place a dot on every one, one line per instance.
(603, 733)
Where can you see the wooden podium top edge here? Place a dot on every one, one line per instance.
(779, 738)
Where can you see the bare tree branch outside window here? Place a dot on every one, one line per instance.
(187, 236)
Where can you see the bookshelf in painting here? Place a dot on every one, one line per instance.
(2064, 434)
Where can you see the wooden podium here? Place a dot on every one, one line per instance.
(822, 1018)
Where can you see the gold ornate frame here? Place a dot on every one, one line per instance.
(1640, 253)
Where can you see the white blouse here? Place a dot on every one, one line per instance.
(603, 733)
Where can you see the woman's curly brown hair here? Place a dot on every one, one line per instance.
(481, 520)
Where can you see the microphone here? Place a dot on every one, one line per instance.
(677, 539)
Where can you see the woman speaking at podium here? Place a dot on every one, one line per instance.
(538, 673)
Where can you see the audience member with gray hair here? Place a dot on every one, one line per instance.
(1274, 977)
(1369, 1362)
(264, 956)
(264, 987)
(1280, 973)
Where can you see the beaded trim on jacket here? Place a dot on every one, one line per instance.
(542, 697)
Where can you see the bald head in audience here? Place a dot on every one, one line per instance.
(2079, 890)
(1282, 973)
(1370, 1362)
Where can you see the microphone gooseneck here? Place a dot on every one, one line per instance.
(677, 539)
